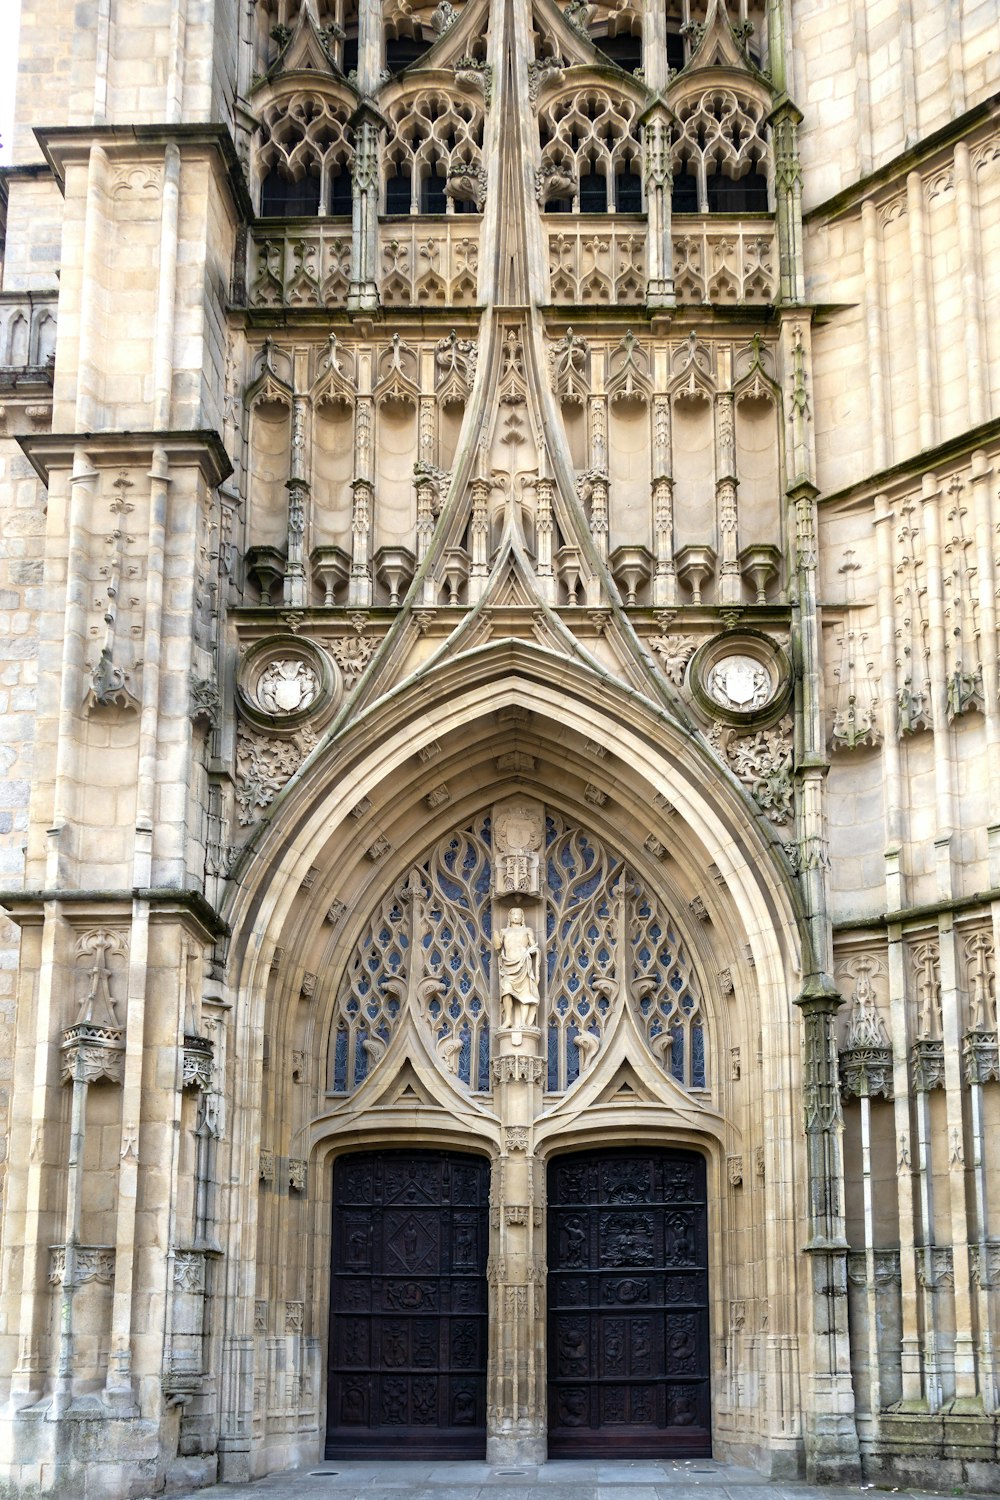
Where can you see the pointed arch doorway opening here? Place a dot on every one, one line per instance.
(628, 1347)
(407, 1353)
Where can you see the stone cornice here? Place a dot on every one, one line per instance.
(55, 450)
(901, 475)
(916, 915)
(26, 908)
(61, 143)
(849, 199)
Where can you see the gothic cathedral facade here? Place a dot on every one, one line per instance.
(501, 733)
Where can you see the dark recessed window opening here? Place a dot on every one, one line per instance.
(628, 193)
(684, 197)
(432, 195)
(623, 49)
(280, 198)
(401, 51)
(593, 194)
(397, 194)
(746, 194)
(340, 192)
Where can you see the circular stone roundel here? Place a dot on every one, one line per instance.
(282, 681)
(741, 677)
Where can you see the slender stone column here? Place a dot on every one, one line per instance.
(659, 181)
(362, 294)
(516, 1413)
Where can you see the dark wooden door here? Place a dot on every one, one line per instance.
(628, 1354)
(407, 1365)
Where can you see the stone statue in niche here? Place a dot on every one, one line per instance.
(741, 683)
(287, 687)
(518, 965)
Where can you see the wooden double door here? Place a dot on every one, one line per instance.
(407, 1358)
(628, 1350)
(627, 1337)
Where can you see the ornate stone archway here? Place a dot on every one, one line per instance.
(346, 884)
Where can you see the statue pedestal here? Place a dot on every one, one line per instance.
(516, 1373)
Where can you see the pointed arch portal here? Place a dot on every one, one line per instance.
(365, 920)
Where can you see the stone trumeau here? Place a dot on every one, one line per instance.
(461, 458)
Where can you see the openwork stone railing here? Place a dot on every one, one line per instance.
(596, 260)
(714, 260)
(423, 262)
(299, 265)
(729, 261)
(429, 263)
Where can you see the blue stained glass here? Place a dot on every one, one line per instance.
(572, 1054)
(567, 860)
(554, 878)
(593, 932)
(687, 1002)
(584, 1007)
(435, 1008)
(475, 1005)
(451, 888)
(483, 1081)
(550, 961)
(392, 1008)
(340, 1061)
(427, 939)
(404, 941)
(677, 1054)
(573, 983)
(395, 962)
(645, 1004)
(485, 954)
(360, 1056)
(455, 1010)
(656, 1028)
(372, 1010)
(655, 930)
(374, 962)
(644, 955)
(603, 1005)
(676, 981)
(550, 830)
(603, 956)
(562, 1005)
(455, 962)
(465, 1055)
(697, 1056)
(465, 984)
(352, 1007)
(587, 888)
(445, 933)
(553, 1058)
(385, 936)
(486, 832)
(482, 885)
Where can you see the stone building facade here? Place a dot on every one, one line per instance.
(469, 458)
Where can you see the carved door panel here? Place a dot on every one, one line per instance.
(407, 1359)
(628, 1352)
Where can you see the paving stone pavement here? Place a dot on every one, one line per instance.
(690, 1479)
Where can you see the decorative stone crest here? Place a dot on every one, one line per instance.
(740, 678)
(518, 828)
(283, 681)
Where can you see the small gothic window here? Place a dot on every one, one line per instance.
(747, 194)
(433, 199)
(628, 193)
(340, 193)
(397, 194)
(593, 193)
(684, 196)
(283, 198)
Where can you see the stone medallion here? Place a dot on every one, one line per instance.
(284, 680)
(741, 678)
